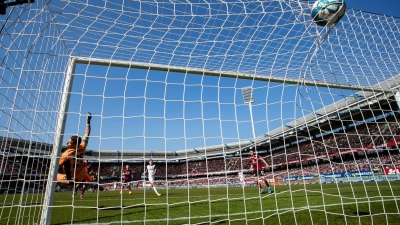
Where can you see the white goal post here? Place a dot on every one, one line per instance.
(57, 146)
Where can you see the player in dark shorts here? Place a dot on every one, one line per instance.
(96, 185)
(89, 171)
(138, 183)
(258, 170)
(127, 179)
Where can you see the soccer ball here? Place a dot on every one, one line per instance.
(328, 12)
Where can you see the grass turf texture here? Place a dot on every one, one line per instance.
(358, 203)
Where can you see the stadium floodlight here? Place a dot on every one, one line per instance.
(248, 98)
(247, 93)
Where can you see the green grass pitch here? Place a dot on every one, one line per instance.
(357, 203)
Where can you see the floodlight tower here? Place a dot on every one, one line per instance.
(248, 98)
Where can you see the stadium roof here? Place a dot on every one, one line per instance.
(358, 100)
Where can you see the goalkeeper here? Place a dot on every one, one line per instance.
(71, 164)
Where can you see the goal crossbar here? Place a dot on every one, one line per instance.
(230, 74)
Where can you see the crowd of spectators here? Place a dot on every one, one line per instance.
(369, 163)
(362, 136)
(9, 166)
(18, 166)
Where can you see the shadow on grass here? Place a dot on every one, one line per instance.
(117, 207)
(140, 209)
(32, 203)
(24, 204)
(213, 221)
(111, 216)
(363, 213)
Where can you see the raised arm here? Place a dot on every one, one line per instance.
(85, 140)
(265, 162)
(87, 132)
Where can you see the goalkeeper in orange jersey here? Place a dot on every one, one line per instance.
(71, 164)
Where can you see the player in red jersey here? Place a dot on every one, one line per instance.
(95, 179)
(258, 170)
(89, 171)
(127, 179)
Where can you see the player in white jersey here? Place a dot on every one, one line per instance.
(151, 171)
(241, 178)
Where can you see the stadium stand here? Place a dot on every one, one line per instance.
(364, 146)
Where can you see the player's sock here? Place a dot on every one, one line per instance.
(259, 185)
(129, 187)
(155, 190)
(266, 183)
(74, 191)
(83, 191)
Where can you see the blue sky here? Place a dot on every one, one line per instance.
(156, 111)
(387, 7)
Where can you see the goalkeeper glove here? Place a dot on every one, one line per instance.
(88, 118)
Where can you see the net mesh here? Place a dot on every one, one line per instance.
(163, 81)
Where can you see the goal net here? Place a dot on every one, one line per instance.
(204, 89)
